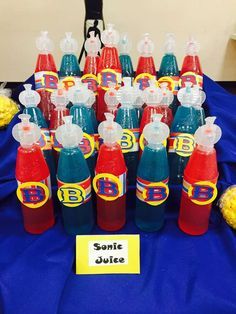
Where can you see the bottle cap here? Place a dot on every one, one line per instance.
(138, 103)
(168, 96)
(69, 135)
(111, 98)
(208, 134)
(156, 132)
(29, 97)
(5, 91)
(124, 44)
(152, 95)
(201, 97)
(126, 94)
(59, 97)
(79, 94)
(109, 130)
(43, 43)
(92, 45)
(26, 132)
(169, 45)
(187, 96)
(68, 44)
(145, 46)
(110, 37)
(192, 47)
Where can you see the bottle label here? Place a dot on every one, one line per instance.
(130, 140)
(91, 80)
(143, 142)
(200, 192)
(192, 77)
(109, 75)
(108, 186)
(74, 194)
(47, 80)
(45, 140)
(181, 144)
(87, 145)
(34, 194)
(143, 80)
(68, 82)
(153, 193)
(172, 81)
(55, 144)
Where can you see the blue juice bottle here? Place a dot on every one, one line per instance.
(181, 141)
(79, 96)
(127, 118)
(152, 178)
(30, 99)
(199, 111)
(125, 59)
(74, 181)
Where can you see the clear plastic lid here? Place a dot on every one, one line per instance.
(69, 45)
(109, 130)
(43, 43)
(69, 135)
(79, 94)
(29, 97)
(145, 46)
(5, 91)
(126, 94)
(156, 132)
(124, 44)
(187, 95)
(192, 47)
(110, 37)
(92, 98)
(152, 95)
(59, 97)
(169, 45)
(26, 132)
(139, 102)
(201, 97)
(208, 134)
(92, 45)
(111, 98)
(168, 96)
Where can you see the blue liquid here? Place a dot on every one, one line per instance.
(82, 117)
(200, 116)
(72, 168)
(38, 118)
(93, 119)
(127, 118)
(153, 167)
(69, 66)
(126, 65)
(184, 122)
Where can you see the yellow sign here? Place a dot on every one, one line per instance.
(32, 194)
(108, 254)
(158, 195)
(71, 195)
(202, 192)
(184, 144)
(107, 186)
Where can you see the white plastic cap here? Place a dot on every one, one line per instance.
(111, 98)
(29, 97)
(126, 94)
(152, 95)
(139, 95)
(187, 96)
(208, 134)
(91, 100)
(110, 37)
(109, 130)
(201, 97)
(156, 132)
(43, 43)
(25, 132)
(192, 47)
(68, 44)
(169, 45)
(79, 94)
(69, 135)
(59, 97)
(145, 46)
(168, 96)
(92, 45)
(124, 44)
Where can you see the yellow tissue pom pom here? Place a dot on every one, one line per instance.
(228, 206)
(8, 109)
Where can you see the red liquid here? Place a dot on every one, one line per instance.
(194, 218)
(111, 215)
(146, 65)
(191, 64)
(31, 166)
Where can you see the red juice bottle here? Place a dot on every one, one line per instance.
(110, 180)
(109, 68)
(146, 69)
(45, 74)
(191, 70)
(200, 178)
(33, 177)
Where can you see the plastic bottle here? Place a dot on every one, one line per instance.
(45, 74)
(30, 99)
(146, 69)
(152, 179)
(139, 102)
(127, 118)
(33, 178)
(164, 106)
(125, 59)
(69, 63)
(169, 71)
(181, 141)
(200, 178)
(191, 70)
(109, 68)
(199, 111)
(74, 181)
(110, 180)
(90, 106)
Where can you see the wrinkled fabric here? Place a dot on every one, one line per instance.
(179, 273)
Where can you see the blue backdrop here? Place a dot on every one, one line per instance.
(179, 273)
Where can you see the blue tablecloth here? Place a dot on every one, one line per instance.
(179, 273)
